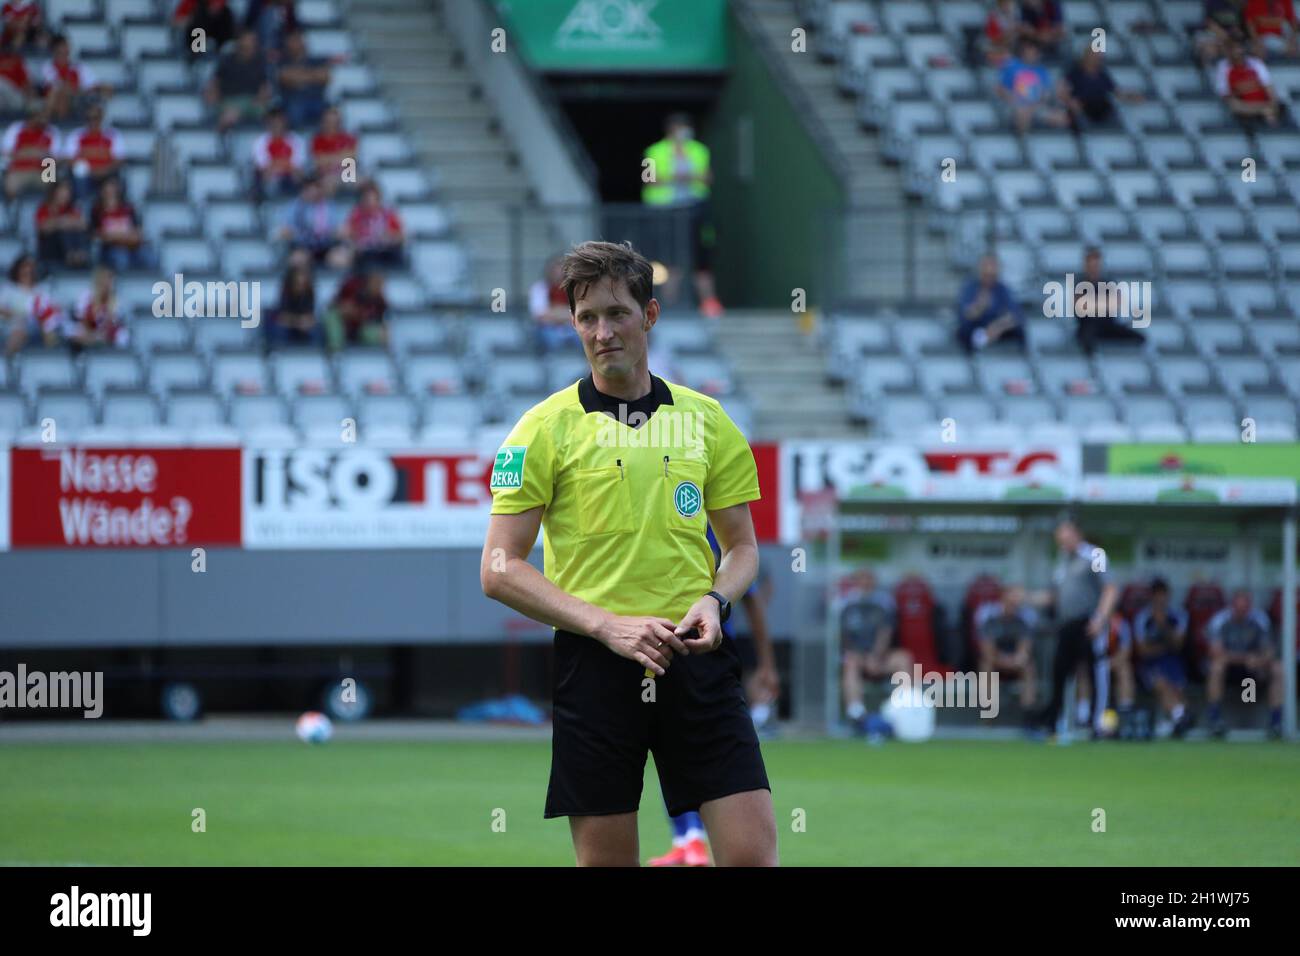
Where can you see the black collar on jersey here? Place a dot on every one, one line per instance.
(594, 400)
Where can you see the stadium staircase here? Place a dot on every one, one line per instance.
(782, 369)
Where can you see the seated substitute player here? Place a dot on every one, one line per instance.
(867, 633)
(1005, 632)
(1241, 646)
(1159, 633)
(622, 470)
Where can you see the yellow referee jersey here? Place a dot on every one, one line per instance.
(625, 507)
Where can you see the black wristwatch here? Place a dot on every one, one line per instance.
(724, 607)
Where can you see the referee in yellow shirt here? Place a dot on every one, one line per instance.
(622, 470)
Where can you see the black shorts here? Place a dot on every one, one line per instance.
(698, 728)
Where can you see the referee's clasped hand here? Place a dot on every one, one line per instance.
(703, 618)
(650, 641)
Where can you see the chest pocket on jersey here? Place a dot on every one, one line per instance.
(604, 501)
(682, 498)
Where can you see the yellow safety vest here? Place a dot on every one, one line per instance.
(663, 156)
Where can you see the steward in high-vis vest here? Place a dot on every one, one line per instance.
(679, 183)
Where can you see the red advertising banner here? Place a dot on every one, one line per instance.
(767, 512)
(124, 497)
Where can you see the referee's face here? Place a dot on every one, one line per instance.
(613, 329)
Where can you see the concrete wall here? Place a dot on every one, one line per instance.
(773, 184)
(79, 599)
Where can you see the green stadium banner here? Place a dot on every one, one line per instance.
(626, 36)
(1228, 460)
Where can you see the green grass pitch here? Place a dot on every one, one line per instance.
(357, 803)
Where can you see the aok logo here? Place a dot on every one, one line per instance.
(688, 499)
(597, 22)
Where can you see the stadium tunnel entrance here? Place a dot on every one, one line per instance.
(615, 120)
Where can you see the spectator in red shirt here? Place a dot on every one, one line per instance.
(16, 92)
(357, 315)
(96, 322)
(62, 235)
(1001, 28)
(1245, 85)
(95, 151)
(67, 84)
(331, 145)
(375, 230)
(278, 159)
(1272, 25)
(27, 145)
(23, 24)
(117, 227)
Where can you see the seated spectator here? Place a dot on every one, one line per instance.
(1088, 92)
(117, 227)
(26, 309)
(96, 322)
(303, 81)
(22, 24)
(331, 145)
(1001, 29)
(1271, 26)
(987, 311)
(375, 230)
(1041, 21)
(869, 641)
(69, 85)
(1025, 87)
(293, 322)
(312, 223)
(240, 87)
(1245, 85)
(549, 305)
(62, 234)
(1222, 24)
(16, 90)
(279, 158)
(95, 151)
(358, 313)
(1004, 630)
(26, 146)
(213, 17)
(1159, 632)
(1241, 646)
(272, 21)
(1099, 315)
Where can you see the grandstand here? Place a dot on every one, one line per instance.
(1163, 195)
(438, 152)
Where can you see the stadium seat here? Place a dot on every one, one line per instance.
(130, 409)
